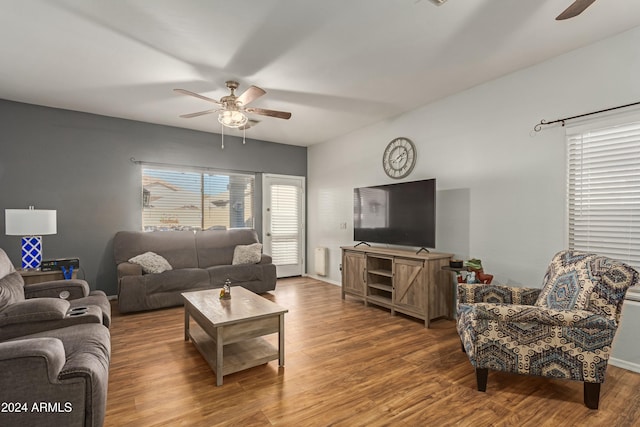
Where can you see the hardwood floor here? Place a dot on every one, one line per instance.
(346, 365)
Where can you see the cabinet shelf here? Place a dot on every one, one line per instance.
(380, 286)
(380, 300)
(385, 273)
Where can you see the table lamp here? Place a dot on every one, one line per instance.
(32, 224)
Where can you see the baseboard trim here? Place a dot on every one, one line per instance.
(323, 279)
(629, 366)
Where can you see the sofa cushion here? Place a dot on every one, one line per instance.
(177, 247)
(11, 289)
(236, 273)
(174, 280)
(151, 262)
(151, 291)
(34, 310)
(247, 254)
(216, 247)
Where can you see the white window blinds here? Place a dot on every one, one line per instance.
(196, 200)
(604, 193)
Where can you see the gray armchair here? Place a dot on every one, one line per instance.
(56, 378)
(27, 309)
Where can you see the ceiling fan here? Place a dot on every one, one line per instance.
(575, 9)
(232, 108)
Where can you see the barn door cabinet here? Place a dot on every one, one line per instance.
(400, 280)
(353, 274)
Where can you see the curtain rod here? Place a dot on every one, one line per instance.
(543, 122)
(200, 168)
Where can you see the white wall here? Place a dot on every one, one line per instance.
(501, 192)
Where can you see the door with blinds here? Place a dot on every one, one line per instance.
(283, 222)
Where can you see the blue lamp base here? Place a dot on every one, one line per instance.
(31, 252)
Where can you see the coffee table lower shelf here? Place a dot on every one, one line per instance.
(237, 356)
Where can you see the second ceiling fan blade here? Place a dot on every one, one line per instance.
(249, 95)
(197, 95)
(270, 113)
(576, 8)
(199, 113)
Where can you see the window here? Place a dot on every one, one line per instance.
(604, 193)
(196, 200)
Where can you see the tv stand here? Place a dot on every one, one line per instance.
(401, 280)
(422, 249)
(362, 243)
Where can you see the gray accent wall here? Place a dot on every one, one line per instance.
(79, 164)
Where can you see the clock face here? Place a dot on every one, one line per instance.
(399, 158)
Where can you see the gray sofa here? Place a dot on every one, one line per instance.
(201, 260)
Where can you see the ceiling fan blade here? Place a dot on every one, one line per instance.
(197, 95)
(199, 113)
(250, 95)
(576, 8)
(270, 113)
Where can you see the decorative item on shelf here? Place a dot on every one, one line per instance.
(455, 263)
(67, 273)
(475, 267)
(474, 264)
(31, 224)
(225, 292)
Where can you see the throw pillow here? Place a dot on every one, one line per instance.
(568, 282)
(247, 254)
(151, 262)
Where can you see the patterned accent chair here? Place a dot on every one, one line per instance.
(563, 330)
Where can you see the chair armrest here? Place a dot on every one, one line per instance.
(266, 259)
(34, 310)
(24, 356)
(77, 288)
(516, 313)
(128, 269)
(477, 293)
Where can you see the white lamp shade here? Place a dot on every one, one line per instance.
(30, 222)
(232, 118)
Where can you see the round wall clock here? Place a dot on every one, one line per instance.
(399, 158)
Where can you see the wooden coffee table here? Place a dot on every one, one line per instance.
(228, 333)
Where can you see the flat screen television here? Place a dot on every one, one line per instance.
(400, 214)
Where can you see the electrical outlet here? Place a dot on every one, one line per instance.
(343, 226)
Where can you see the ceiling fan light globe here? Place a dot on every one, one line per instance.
(232, 119)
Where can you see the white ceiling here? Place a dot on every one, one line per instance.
(337, 65)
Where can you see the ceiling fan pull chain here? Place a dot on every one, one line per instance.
(244, 132)
(222, 127)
